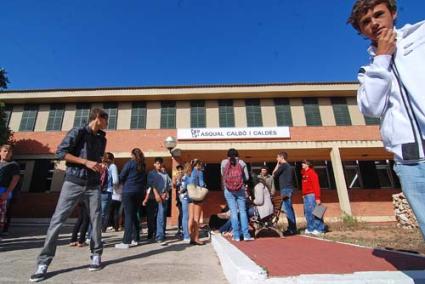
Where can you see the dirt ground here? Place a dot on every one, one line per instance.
(382, 235)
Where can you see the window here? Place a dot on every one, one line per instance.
(7, 114)
(197, 114)
(253, 113)
(42, 175)
(371, 120)
(82, 114)
(342, 116)
(54, 122)
(226, 113)
(352, 173)
(28, 118)
(312, 113)
(283, 112)
(168, 115)
(138, 115)
(112, 111)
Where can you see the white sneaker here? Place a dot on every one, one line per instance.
(186, 241)
(307, 232)
(95, 263)
(40, 274)
(122, 246)
(317, 233)
(134, 244)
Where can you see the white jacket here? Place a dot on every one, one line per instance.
(398, 100)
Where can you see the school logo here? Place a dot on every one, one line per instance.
(195, 133)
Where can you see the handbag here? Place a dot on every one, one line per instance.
(196, 193)
(319, 211)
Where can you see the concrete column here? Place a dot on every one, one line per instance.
(16, 117)
(174, 210)
(341, 187)
(124, 115)
(212, 114)
(58, 176)
(297, 112)
(153, 115)
(240, 113)
(268, 113)
(326, 112)
(183, 114)
(29, 169)
(68, 117)
(42, 117)
(357, 117)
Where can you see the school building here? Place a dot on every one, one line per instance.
(315, 121)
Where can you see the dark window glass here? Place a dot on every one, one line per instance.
(253, 113)
(112, 111)
(197, 114)
(54, 122)
(283, 112)
(82, 114)
(168, 115)
(7, 114)
(29, 117)
(371, 120)
(226, 113)
(138, 115)
(340, 108)
(312, 113)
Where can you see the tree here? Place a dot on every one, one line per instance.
(5, 133)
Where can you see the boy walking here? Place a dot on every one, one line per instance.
(82, 149)
(392, 89)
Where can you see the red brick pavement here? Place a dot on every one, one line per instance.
(303, 255)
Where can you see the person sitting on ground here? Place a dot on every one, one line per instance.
(261, 200)
(269, 180)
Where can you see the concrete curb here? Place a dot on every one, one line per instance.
(240, 269)
(237, 267)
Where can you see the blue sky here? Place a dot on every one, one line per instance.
(102, 43)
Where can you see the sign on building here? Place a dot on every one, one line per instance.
(232, 133)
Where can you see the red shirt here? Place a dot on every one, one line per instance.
(310, 183)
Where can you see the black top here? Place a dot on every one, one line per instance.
(284, 174)
(7, 171)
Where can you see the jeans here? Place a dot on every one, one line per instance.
(227, 227)
(161, 220)
(313, 223)
(152, 212)
(70, 195)
(105, 203)
(130, 202)
(286, 194)
(184, 201)
(236, 200)
(412, 180)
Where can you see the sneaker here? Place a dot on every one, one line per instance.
(289, 233)
(162, 242)
(134, 244)
(95, 263)
(88, 241)
(186, 241)
(40, 274)
(317, 233)
(236, 240)
(248, 239)
(122, 246)
(307, 232)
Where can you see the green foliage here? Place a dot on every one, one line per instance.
(6, 134)
(3, 79)
(349, 221)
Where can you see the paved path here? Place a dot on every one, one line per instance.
(300, 255)
(147, 263)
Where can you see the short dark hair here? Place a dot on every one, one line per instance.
(159, 159)
(232, 153)
(284, 155)
(361, 7)
(97, 111)
(179, 167)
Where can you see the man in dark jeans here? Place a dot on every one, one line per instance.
(82, 149)
(283, 172)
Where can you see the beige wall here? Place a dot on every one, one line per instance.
(68, 117)
(124, 115)
(29, 169)
(15, 118)
(153, 115)
(212, 114)
(357, 117)
(240, 113)
(268, 113)
(58, 176)
(326, 112)
(297, 111)
(183, 114)
(42, 117)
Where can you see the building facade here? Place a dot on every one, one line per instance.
(316, 121)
